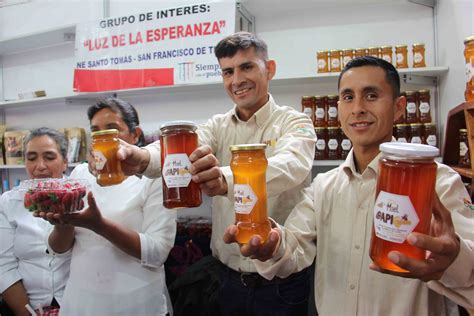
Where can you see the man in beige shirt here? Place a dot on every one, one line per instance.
(255, 118)
(334, 220)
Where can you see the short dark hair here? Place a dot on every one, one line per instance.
(58, 137)
(126, 110)
(230, 45)
(391, 72)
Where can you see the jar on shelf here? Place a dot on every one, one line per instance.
(419, 55)
(346, 144)
(386, 53)
(323, 65)
(333, 143)
(469, 55)
(360, 52)
(347, 56)
(430, 135)
(401, 54)
(335, 57)
(332, 110)
(373, 51)
(464, 152)
(411, 113)
(321, 141)
(307, 106)
(402, 134)
(424, 108)
(401, 119)
(416, 133)
(319, 111)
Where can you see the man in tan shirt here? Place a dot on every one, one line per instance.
(334, 220)
(255, 118)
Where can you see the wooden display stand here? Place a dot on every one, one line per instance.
(462, 116)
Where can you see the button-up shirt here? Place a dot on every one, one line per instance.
(337, 214)
(290, 137)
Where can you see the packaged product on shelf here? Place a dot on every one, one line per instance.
(373, 51)
(335, 57)
(3, 128)
(402, 133)
(401, 54)
(386, 53)
(14, 147)
(346, 144)
(419, 55)
(424, 108)
(411, 112)
(415, 133)
(307, 106)
(347, 56)
(332, 110)
(333, 143)
(464, 152)
(430, 137)
(360, 52)
(320, 111)
(321, 143)
(77, 150)
(323, 65)
(469, 55)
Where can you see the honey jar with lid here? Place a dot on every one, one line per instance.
(249, 166)
(105, 144)
(333, 143)
(347, 56)
(321, 143)
(346, 144)
(332, 110)
(464, 152)
(469, 56)
(360, 52)
(323, 65)
(373, 51)
(307, 106)
(178, 140)
(401, 55)
(411, 111)
(320, 111)
(402, 134)
(424, 108)
(430, 134)
(416, 133)
(335, 57)
(419, 55)
(401, 207)
(386, 53)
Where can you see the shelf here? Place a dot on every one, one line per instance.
(431, 73)
(3, 167)
(37, 39)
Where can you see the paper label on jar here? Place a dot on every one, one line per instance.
(319, 113)
(424, 107)
(469, 72)
(411, 107)
(99, 159)
(400, 58)
(320, 144)
(244, 198)
(415, 140)
(431, 140)
(335, 63)
(176, 171)
(417, 58)
(332, 144)
(346, 144)
(401, 140)
(462, 149)
(321, 63)
(387, 57)
(308, 111)
(394, 217)
(332, 112)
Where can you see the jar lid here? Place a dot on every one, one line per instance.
(401, 125)
(409, 150)
(462, 130)
(105, 132)
(332, 127)
(360, 48)
(319, 128)
(188, 124)
(347, 50)
(415, 124)
(409, 92)
(322, 51)
(318, 97)
(385, 47)
(306, 97)
(430, 124)
(469, 39)
(423, 91)
(335, 51)
(418, 44)
(246, 147)
(332, 96)
(401, 46)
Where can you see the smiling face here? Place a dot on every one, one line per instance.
(368, 108)
(43, 158)
(108, 119)
(246, 76)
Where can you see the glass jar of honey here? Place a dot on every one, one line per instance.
(332, 110)
(346, 144)
(430, 134)
(323, 65)
(386, 52)
(411, 111)
(419, 55)
(416, 133)
(320, 111)
(360, 52)
(307, 106)
(402, 133)
(347, 56)
(321, 151)
(105, 145)
(335, 57)
(424, 107)
(464, 152)
(249, 166)
(333, 143)
(401, 54)
(373, 51)
(401, 207)
(178, 140)
(469, 56)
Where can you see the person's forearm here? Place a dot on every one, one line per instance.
(61, 238)
(123, 238)
(16, 298)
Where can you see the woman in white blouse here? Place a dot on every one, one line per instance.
(121, 240)
(29, 273)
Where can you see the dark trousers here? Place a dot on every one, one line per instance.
(249, 294)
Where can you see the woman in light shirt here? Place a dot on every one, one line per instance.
(29, 273)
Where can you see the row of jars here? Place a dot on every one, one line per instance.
(321, 109)
(416, 133)
(331, 143)
(418, 108)
(335, 60)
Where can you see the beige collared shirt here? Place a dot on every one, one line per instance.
(290, 137)
(338, 212)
